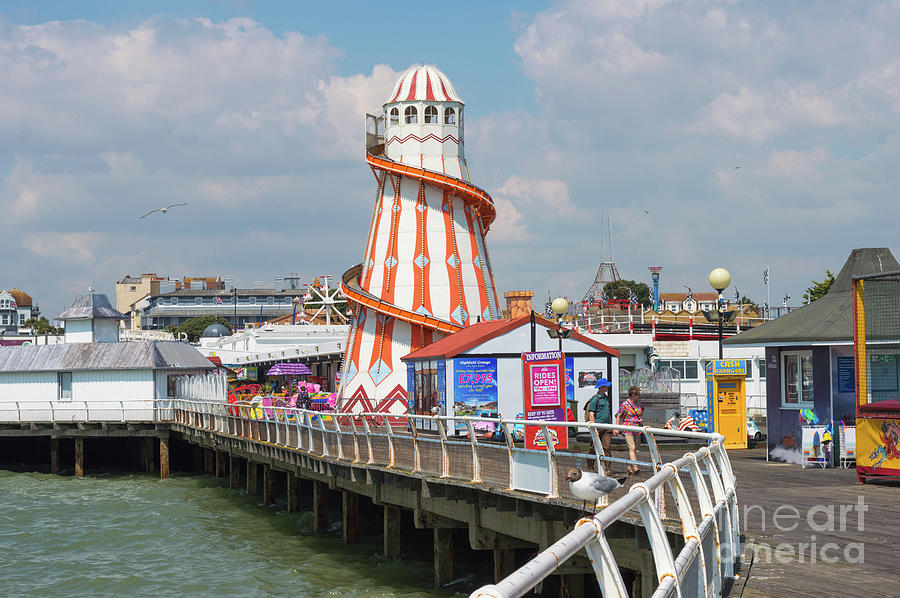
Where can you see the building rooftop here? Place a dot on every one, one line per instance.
(90, 306)
(140, 355)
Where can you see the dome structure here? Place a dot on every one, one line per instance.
(423, 83)
(214, 330)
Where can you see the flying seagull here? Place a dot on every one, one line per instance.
(591, 486)
(164, 210)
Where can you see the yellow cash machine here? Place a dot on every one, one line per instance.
(727, 400)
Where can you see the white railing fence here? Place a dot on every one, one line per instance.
(93, 411)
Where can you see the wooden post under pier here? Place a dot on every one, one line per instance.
(443, 556)
(79, 457)
(234, 472)
(293, 493)
(320, 506)
(268, 489)
(252, 478)
(54, 455)
(220, 464)
(350, 516)
(209, 461)
(392, 531)
(164, 461)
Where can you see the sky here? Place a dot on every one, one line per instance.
(714, 133)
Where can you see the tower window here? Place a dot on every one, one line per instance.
(460, 117)
(411, 115)
(431, 115)
(449, 116)
(395, 116)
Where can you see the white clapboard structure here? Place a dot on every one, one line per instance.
(93, 376)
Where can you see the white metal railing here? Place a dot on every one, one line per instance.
(73, 411)
(435, 445)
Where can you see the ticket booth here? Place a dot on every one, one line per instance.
(727, 400)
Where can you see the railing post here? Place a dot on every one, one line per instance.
(337, 429)
(551, 461)
(510, 446)
(417, 457)
(609, 577)
(660, 495)
(659, 543)
(355, 439)
(708, 510)
(688, 523)
(715, 479)
(476, 464)
(445, 454)
(390, 435)
(370, 459)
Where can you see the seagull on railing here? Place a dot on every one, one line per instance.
(163, 210)
(587, 486)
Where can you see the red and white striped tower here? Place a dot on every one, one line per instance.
(425, 271)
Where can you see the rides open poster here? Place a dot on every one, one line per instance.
(474, 386)
(545, 394)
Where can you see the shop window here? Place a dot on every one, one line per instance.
(797, 379)
(431, 115)
(761, 364)
(411, 115)
(449, 116)
(395, 117)
(686, 368)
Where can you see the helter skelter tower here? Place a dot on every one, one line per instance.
(425, 271)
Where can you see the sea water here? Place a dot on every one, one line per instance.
(137, 535)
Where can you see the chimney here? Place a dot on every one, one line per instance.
(518, 303)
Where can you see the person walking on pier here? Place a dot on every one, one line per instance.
(631, 413)
(599, 411)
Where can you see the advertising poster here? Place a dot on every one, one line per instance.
(534, 436)
(570, 379)
(411, 386)
(474, 385)
(545, 392)
(878, 445)
(441, 385)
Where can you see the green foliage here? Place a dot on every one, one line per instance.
(747, 301)
(41, 326)
(622, 289)
(194, 327)
(818, 289)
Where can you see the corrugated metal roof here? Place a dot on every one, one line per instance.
(92, 305)
(139, 355)
(829, 319)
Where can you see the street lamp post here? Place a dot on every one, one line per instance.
(719, 279)
(560, 307)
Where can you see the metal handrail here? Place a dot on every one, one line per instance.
(84, 411)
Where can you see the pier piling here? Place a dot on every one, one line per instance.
(392, 529)
(54, 455)
(234, 472)
(443, 555)
(164, 461)
(320, 506)
(252, 478)
(350, 516)
(79, 457)
(268, 485)
(293, 493)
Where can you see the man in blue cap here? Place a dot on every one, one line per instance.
(599, 411)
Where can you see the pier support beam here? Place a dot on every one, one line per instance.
(54, 455)
(350, 516)
(392, 531)
(197, 453)
(147, 453)
(164, 461)
(505, 563)
(443, 556)
(220, 464)
(320, 506)
(79, 457)
(293, 493)
(252, 478)
(268, 489)
(234, 472)
(209, 461)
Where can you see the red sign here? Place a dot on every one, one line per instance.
(545, 398)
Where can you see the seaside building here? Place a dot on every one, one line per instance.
(241, 307)
(809, 359)
(92, 371)
(425, 271)
(16, 308)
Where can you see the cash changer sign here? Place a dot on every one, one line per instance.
(728, 367)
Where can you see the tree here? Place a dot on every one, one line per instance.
(194, 327)
(41, 326)
(747, 301)
(818, 289)
(622, 289)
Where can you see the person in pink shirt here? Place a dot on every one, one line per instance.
(631, 413)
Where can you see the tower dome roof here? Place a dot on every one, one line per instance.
(214, 330)
(423, 83)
